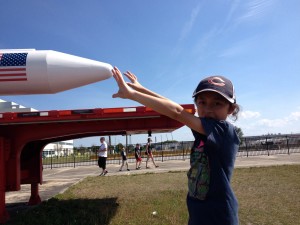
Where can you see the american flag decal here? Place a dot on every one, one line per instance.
(13, 67)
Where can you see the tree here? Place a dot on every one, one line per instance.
(169, 141)
(94, 148)
(130, 147)
(80, 150)
(119, 147)
(239, 133)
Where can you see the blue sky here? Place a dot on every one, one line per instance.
(170, 45)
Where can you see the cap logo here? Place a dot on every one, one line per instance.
(217, 81)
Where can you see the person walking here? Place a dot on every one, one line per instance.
(138, 156)
(124, 159)
(102, 156)
(149, 153)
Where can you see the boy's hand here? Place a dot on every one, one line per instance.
(124, 89)
(134, 82)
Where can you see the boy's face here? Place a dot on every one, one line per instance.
(213, 105)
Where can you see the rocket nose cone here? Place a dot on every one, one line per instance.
(105, 70)
(73, 71)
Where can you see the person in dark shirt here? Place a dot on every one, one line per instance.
(138, 156)
(124, 159)
(149, 153)
(210, 198)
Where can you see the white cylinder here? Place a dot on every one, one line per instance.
(43, 72)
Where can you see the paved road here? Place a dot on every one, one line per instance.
(59, 179)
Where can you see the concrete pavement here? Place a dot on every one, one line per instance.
(59, 179)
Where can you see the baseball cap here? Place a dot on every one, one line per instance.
(218, 84)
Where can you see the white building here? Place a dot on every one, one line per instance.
(13, 107)
(62, 148)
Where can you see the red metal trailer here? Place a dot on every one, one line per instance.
(23, 135)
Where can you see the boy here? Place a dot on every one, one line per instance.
(210, 198)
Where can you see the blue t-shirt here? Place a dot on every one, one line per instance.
(211, 200)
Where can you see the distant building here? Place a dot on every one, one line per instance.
(62, 148)
(13, 107)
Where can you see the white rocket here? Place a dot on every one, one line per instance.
(30, 71)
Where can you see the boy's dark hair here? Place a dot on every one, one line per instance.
(234, 115)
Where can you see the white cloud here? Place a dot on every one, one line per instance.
(190, 23)
(256, 9)
(188, 26)
(295, 116)
(249, 115)
(273, 122)
(252, 123)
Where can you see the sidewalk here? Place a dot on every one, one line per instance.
(57, 180)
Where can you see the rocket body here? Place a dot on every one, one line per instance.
(45, 71)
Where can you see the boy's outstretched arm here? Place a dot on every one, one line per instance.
(137, 86)
(158, 103)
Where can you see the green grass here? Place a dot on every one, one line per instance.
(267, 196)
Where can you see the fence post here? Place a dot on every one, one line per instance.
(51, 162)
(182, 150)
(245, 140)
(74, 160)
(267, 146)
(287, 143)
(162, 152)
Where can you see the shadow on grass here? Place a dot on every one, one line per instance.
(64, 212)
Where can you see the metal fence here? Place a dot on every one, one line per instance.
(269, 145)
(249, 146)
